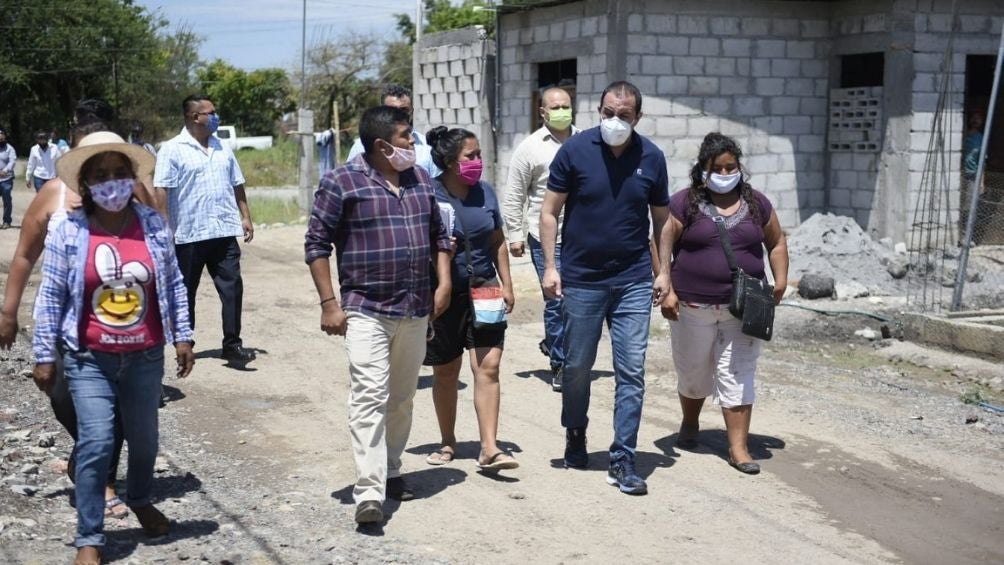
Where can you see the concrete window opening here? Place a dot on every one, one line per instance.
(862, 69)
(988, 228)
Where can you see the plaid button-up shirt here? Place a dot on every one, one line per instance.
(385, 243)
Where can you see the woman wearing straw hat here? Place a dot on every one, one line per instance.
(48, 209)
(111, 297)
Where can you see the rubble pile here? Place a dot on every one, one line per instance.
(837, 247)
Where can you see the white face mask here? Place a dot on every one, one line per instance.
(615, 131)
(722, 184)
(401, 159)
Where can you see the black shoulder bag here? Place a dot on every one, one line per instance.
(488, 308)
(752, 299)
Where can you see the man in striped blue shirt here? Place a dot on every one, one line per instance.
(208, 210)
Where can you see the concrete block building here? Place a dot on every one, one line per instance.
(834, 102)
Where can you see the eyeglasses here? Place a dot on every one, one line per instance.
(213, 113)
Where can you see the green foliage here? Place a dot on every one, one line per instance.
(443, 15)
(275, 166)
(55, 52)
(396, 67)
(253, 101)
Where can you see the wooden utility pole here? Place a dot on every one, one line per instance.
(336, 124)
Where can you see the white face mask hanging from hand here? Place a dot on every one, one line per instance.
(722, 184)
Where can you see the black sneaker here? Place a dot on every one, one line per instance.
(397, 489)
(622, 475)
(576, 456)
(557, 374)
(368, 512)
(544, 348)
(239, 354)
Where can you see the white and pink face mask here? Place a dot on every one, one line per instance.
(112, 195)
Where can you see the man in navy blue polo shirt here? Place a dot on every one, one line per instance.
(608, 179)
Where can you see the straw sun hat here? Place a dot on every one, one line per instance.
(68, 165)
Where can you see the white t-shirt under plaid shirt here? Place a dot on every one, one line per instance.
(200, 185)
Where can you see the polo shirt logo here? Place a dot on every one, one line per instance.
(639, 172)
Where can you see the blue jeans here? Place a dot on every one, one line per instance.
(554, 333)
(6, 186)
(627, 311)
(98, 383)
(37, 183)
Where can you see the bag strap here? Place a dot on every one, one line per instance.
(454, 201)
(723, 235)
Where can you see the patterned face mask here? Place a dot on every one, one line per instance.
(112, 195)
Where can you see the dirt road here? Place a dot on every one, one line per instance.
(866, 455)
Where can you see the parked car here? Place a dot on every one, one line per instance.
(228, 135)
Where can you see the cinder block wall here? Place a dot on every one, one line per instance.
(766, 73)
(454, 81)
(757, 71)
(571, 31)
(978, 32)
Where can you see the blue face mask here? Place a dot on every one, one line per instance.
(213, 123)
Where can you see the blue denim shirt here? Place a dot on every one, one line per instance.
(60, 301)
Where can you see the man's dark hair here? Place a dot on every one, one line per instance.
(93, 110)
(191, 101)
(624, 88)
(394, 91)
(381, 122)
(41, 133)
(80, 130)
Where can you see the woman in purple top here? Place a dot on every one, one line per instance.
(711, 354)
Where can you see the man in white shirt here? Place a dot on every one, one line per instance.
(399, 96)
(41, 162)
(525, 189)
(208, 208)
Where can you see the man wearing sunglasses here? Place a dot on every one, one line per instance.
(208, 209)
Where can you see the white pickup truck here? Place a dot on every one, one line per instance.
(228, 135)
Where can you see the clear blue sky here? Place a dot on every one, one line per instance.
(253, 34)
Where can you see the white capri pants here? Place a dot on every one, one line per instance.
(713, 356)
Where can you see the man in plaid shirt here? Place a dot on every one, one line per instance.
(379, 212)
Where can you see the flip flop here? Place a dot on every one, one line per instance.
(496, 464)
(110, 505)
(440, 457)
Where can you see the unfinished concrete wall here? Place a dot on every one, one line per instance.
(756, 71)
(572, 31)
(977, 32)
(861, 117)
(767, 73)
(454, 81)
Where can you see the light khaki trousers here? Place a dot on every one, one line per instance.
(385, 356)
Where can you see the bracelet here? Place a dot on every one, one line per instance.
(328, 300)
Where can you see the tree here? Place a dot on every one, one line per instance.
(252, 101)
(346, 69)
(443, 15)
(53, 53)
